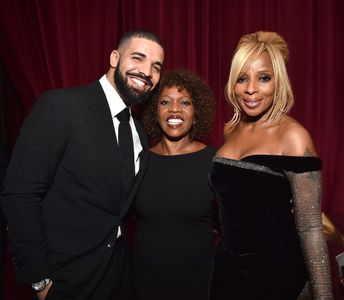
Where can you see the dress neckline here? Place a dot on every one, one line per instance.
(251, 156)
(297, 164)
(180, 155)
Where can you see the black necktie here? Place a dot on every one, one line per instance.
(126, 148)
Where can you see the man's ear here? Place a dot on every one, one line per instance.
(114, 58)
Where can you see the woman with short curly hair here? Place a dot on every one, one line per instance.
(202, 99)
(173, 243)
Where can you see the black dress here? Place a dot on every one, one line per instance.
(173, 246)
(260, 253)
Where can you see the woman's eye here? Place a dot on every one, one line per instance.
(242, 79)
(265, 78)
(186, 102)
(163, 102)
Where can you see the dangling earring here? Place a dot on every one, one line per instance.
(237, 115)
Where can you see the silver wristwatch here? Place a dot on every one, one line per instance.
(39, 286)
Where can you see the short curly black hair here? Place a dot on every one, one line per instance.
(201, 95)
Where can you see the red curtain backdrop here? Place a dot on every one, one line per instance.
(48, 44)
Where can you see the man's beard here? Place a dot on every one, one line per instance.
(129, 94)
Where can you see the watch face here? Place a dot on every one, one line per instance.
(38, 286)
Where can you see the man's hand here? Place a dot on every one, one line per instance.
(43, 293)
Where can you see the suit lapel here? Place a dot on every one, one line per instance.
(100, 122)
(143, 164)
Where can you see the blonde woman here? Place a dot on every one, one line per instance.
(267, 177)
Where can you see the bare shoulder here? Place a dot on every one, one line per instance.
(226, 150)
(295, 139)
(228, 130)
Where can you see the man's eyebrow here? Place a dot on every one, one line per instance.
(144, 55)
(138, 53)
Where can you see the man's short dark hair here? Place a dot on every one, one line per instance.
(128, 36)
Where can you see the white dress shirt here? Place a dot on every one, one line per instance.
(116, 105)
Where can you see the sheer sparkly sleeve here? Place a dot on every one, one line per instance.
(306, 193)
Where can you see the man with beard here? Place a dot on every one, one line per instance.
(63, 196)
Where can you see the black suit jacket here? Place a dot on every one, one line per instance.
(3, 233)
(62, 188)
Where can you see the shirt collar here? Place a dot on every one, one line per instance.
(114, 100)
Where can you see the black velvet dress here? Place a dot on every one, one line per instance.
(173, 248)
(260, 253)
